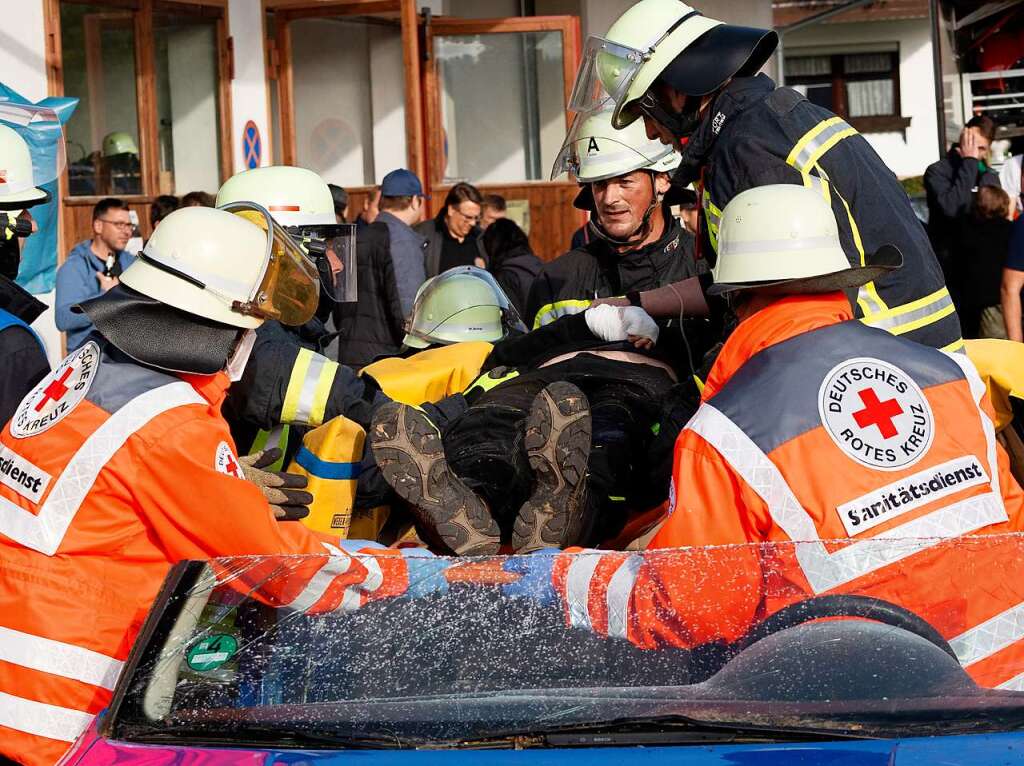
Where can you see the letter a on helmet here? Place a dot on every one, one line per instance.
(595, 151)
(664, 39)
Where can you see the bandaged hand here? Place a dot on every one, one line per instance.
(281, 489)
(632, 323)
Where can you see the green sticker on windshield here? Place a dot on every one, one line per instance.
(212, 652)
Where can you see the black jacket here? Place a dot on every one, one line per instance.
(515, 271)
(745, 141)
(433, 230)
(950, 184)
(24, 361)
(373, 326)
(567, 284)
(980, 248)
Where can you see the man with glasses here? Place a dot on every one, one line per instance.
(453, 235)
(93, 266)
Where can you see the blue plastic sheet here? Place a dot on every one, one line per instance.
(38, 273)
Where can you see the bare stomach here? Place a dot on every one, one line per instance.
(619, 356)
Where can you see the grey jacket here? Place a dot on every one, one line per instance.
(432, 230)
(408, 249)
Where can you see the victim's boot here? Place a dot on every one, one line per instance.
(558, 445)
(408, 450)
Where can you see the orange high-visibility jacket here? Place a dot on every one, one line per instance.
(109, 473)
(831, 439)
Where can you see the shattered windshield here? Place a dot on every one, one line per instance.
(697, 640)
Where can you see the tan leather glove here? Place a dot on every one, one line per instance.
(281, 489)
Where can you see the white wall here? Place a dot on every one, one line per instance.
(23, 67)
(192, 78)
(249, 88)
(907, 156)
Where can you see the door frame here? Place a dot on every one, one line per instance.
(286, 11)
(436, 26)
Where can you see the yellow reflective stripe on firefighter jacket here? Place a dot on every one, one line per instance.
(430, 375)
(309, 387)
(758, 134)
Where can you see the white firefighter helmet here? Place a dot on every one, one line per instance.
(31, 154)
(233, 266)
(785, 236)
(301, 202)
(595, 151)
(461, 304)
(667, 38)
(294, 196)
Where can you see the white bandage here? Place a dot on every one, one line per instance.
(613, 323)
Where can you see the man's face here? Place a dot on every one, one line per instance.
(462, 218)
(621, 202)
(489, 216)
(981, 142)
(113, 228)
(672, 99)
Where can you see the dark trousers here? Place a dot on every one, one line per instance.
(485, 445)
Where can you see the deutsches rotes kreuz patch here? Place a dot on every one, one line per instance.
(876, 414)
(57, 394)
(226, 462)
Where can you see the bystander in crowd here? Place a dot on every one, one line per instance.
(511, 260)
(453, 235)
(980, 247)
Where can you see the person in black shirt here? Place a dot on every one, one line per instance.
(453, 235)
(980, 246)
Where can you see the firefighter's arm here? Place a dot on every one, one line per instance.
(286, 383)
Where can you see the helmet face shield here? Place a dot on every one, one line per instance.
(606, 71)
(462, 304)
(38, 158)
(332, 247)
(290, 288)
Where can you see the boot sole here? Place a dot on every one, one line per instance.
(410, 454)
(558, 431)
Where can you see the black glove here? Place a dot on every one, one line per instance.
(281, 489)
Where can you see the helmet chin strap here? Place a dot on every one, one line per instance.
(639, 234)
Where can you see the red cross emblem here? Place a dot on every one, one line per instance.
(877, 413)
(231, 465)
(56, 390)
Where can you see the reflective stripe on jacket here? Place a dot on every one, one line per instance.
(113, 473)
(867, 459)
(758, 134)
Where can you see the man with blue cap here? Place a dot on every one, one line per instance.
(402, 202)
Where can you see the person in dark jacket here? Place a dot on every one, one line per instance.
(401, 207)
(699, 85)
(950, 185)
(981, 243)
(453, 235)
(510, 260)
(374, 325)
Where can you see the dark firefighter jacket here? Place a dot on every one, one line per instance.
(756, 134)
(568, 284)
